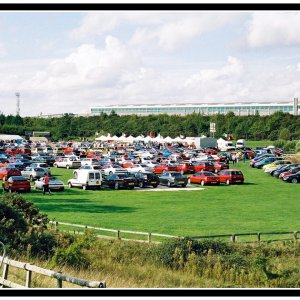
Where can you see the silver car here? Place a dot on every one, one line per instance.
(54, 184)
(43, 166)
(32, 173)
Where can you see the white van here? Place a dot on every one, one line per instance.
(86, 179)
(240, 143)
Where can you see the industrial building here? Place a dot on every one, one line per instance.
(239, 109)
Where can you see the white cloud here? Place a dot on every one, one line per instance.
(168, 30)
(274, 29)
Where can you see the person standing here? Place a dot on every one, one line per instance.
(233, 158)
(46, 185)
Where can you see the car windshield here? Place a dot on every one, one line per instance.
(177, 174)
(18, 178)
(124, 175)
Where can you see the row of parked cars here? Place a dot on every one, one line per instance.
(278, 167)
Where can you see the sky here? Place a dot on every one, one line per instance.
(69, 61)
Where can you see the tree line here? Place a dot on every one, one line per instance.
(279, 125)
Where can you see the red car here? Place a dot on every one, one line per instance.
(186, 167)
(210, 151)
(16, 184)
(220, 166)
(160, 168)
(231, 176)
(204, 166)
(291, 171)
(204, 178)
(8, 172)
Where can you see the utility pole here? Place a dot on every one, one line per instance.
(18, 103)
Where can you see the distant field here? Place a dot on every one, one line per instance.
(263, 203)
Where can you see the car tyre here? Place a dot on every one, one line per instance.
(189, 180)
(110, 172)
(155, 186)
(70, 185)
(55, 165)
(31, 178)
(183, 185)
(67, 166)
(202, 182)
(116, 186)
(84, 187)
(169, 184)
(141, 184)
(294, 180)
(227, 182)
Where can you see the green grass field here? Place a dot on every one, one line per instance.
(262, 204)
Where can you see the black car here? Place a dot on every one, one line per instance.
(173, 179)
(293, 178)
(44, 159)
(284, 168)
(118, 181)
(144, 179)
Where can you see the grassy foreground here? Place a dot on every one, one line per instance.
(262, 204)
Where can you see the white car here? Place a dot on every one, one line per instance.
(68, 162)
(139, 168)
(89, 161)
(111, 169)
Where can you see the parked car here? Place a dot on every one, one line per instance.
(160, 168)
(67, 162)
(258, 158)
(204, 177)
(89, 161)
(231, 176)
(55, 184)
(16, 184)
(8, 172)
(204, 166)
(284, 168)
(43, 166)
(49, 160)
(88, 167)
(289, 172)
(259, 164)
(144, 179)
(118, 181)
(173, 179)
(220, 166)
(186, 167)
(86, 179)
(293, 178)
(113, 169)
(138, 168)
(32, 173)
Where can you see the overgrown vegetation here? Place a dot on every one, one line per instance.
(174, 263)
(279, 125)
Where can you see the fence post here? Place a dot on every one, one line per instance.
(28, 278)
(55, 226)
(59, 282)
(233, 238)
(5, 273)
(258, 237)
(149, 237)
(295, 236)
(118, 234)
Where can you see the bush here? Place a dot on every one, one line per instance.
(279, 143)
(71, 256)
(290, 145)
(297, 147)
(175, 253)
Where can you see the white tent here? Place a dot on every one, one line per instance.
(10, 137)
(148, 139)
(139, 138)
(101, 138)
(168, 139)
